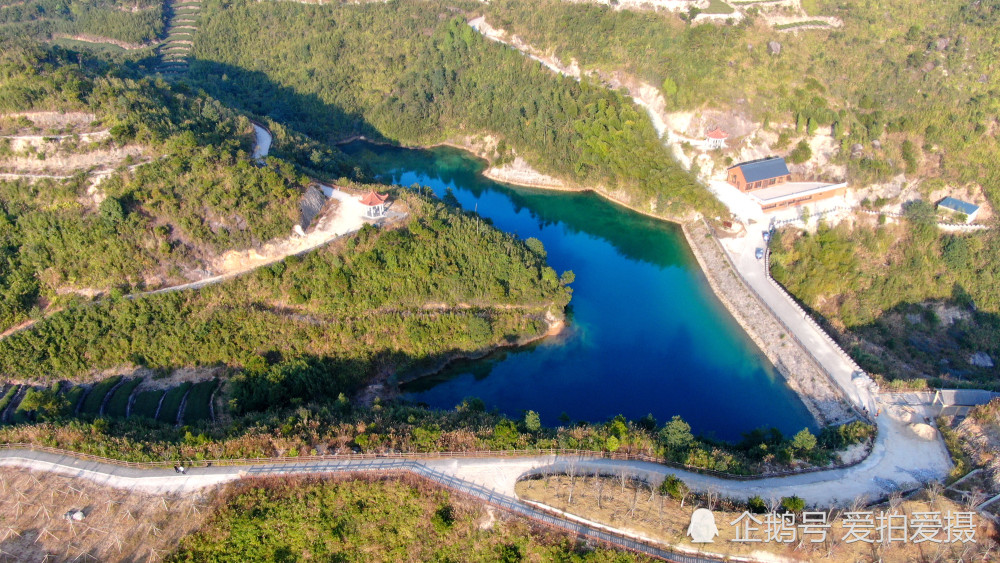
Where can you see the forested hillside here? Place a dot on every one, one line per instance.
(133, 22)
(921, 78)
(393, 300)
(903, 88)
(185, 190)
(911, 302)
(415, 73)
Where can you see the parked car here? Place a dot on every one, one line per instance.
(767, 236)
(759, 253)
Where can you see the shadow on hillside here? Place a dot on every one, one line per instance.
(255, 92)
(935, 339)
(576, 212)
(276, 387)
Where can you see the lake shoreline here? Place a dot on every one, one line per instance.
(388, 386)
(800, 373)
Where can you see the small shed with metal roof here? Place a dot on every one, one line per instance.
(958, 206)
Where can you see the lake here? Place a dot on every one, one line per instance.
(645, 333)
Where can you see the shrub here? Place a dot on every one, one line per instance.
(804, 442)
(443, 519)
(676, 435)
(793, 504)
(612, 444)
(532, 421)
(95, 398)
(674, 488)
(756, 505)
(801, 153)
(43, 404)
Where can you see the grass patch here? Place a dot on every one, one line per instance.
(73, 395)
(197, 407)
(172, 403)
(801, 24)
(952, 441)
(146, 403)
(718, 7)
(118, 403)
(8, 397)
(92, 402)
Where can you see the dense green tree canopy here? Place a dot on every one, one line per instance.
(365, 71)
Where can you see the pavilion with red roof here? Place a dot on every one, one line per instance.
(375, 202)
(716, 138)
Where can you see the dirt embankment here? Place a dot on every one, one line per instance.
(78, 121)
(57, 145)
(521, 173)
(45, 143)
(105, 40)
(636, 508)
(72, 163)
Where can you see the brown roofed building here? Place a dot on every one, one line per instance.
(758, 174)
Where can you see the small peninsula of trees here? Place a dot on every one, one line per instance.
(334, 314)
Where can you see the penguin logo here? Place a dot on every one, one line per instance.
(702, 528)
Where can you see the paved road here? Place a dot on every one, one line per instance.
(856, 385)
(262, 142)
(166, 480)
(900, 460)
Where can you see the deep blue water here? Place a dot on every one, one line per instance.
(646, 333)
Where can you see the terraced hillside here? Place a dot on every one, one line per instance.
(114, 397)
(176, 46)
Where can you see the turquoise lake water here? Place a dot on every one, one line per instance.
(646, 334)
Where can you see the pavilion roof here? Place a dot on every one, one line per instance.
(371, 199)
(717, 134)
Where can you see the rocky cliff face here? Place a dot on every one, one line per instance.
(310, 205)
